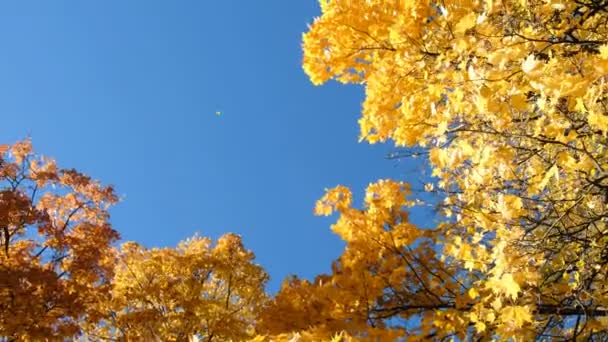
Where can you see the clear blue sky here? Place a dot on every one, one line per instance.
(127, 91)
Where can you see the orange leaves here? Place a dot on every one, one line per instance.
(54, 254)
(43, 172)
(297, 305)
(16, 211)
(87, 187)
(21, 150)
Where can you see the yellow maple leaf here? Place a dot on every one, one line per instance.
(505, 285)
(467, 22)
(516, 316)
(473, 293)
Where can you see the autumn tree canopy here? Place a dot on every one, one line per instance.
(56, 256)
(199, 289)
(508, 101)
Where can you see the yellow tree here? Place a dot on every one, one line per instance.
(199, 289)
(56, 256)
(508, 100)
(388, 274)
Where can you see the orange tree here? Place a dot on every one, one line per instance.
(55, 257)
(508, 101)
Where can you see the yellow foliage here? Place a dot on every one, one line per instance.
(509, 100)
(196, 289)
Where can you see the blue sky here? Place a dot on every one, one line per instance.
(127, 91)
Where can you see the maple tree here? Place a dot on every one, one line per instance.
(508, 101)
(199, 289)
(55, 239)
